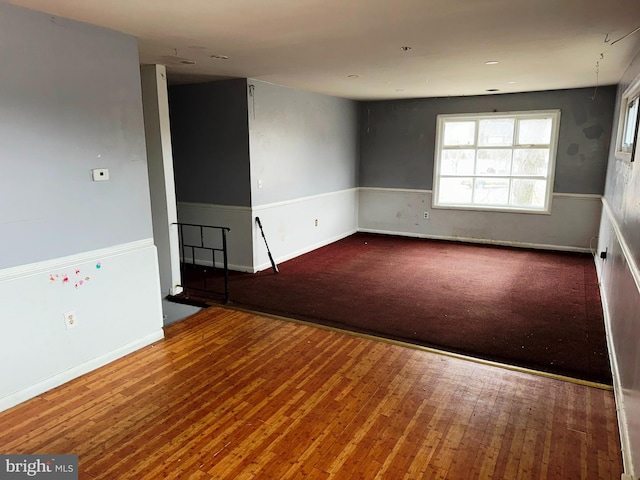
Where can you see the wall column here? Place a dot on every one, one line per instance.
(160, 164)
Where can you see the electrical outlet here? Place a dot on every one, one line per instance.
(100, 174)
(316, 222)
(71, 319)
(426, 215)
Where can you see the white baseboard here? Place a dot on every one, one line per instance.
(481, 241)
(310, 248)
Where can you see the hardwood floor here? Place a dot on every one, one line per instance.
(232, 395)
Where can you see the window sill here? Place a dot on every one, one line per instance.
(486, 209)
(623, 156)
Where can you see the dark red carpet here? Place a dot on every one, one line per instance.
(530, 308)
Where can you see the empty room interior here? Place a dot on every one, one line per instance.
(416, 198)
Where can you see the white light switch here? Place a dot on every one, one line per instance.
(100, 174)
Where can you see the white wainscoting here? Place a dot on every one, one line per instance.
(620, 291)
(291, 230)
(289, 226)
(572, 224)
(115, 293)
(238, 219)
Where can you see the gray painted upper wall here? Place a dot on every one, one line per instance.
(210, 141)
(70, 101)
(398, 137)
(302, 143)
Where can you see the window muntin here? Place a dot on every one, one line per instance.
(496, 161)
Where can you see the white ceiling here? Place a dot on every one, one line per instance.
(320, 45)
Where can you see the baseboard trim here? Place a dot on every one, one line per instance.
(75, 372)
(537, 246)
(306, 249)
(422, 348)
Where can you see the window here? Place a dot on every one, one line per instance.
(496, 161)
(628, 123)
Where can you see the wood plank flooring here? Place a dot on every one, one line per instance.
(232, 395)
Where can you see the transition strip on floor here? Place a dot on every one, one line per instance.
(515, 368)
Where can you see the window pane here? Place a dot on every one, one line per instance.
(498, 161)
(455, 190)
(491, 191)
(459, 133)
(630, 125)
(530, 161)
(494, 162)
(528, 193)
(457, 162)
(496, 132)
(534, 131)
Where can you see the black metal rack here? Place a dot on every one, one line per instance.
(198, 247)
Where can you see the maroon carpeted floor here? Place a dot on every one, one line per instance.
(535, 309)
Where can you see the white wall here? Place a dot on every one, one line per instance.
(115, 294)
(572, 224)
(70, 101)
(289, 226)
(291, 230)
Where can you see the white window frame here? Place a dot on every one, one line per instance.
(625, 151)
(553, 146)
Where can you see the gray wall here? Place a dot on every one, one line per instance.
(398, 137)
(302, 143)
(69, 102)
(210, 140)
(620, 281)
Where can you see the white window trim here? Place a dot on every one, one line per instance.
(555, 131)
(631, 92)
